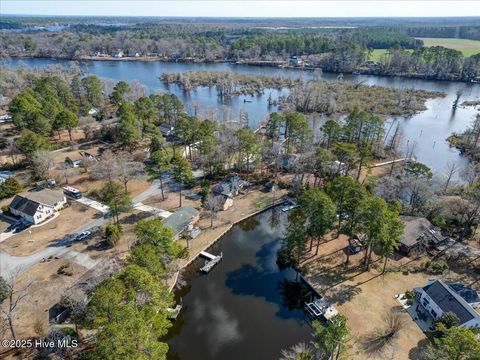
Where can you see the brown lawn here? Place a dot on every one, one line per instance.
(366, 297)
(36, 238)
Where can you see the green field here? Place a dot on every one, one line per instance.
(467, 47)
(377, 54)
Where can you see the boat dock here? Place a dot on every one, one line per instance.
(211, 262)
(174, 312)
(317, 305)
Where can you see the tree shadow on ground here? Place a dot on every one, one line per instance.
(418, 352)
(343, 293)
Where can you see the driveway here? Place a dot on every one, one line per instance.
(93, 204)
(60, 249)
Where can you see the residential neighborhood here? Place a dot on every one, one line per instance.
(262, 180)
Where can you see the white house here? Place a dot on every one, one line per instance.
(438, 298)
(36, 207)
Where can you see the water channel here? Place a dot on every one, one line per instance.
(428, 129)
(241, 309)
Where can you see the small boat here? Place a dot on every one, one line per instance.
(356, 73)
(245, 101)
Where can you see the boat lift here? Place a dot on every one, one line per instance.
(211, 262)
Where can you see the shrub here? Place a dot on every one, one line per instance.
(435, 267)
(113, 233)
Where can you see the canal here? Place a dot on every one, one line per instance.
(240, 310)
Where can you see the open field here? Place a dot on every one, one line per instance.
(378, 53)
(467, 47)
(36, 238)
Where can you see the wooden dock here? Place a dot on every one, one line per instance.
(211, 262)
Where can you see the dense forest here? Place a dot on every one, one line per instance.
(334, 49)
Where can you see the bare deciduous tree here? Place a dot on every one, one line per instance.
(42, 162)
(450, 170)
(106, 168)
(17, 293)
(128, 169)
(213, 205)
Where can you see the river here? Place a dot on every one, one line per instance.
(237, 311)
(427, 130)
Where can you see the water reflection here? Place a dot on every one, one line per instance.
(436, 123)
(240, 309)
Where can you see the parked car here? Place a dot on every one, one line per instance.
(22, 226)
(289, 207)
(13, 226)
(83, 235)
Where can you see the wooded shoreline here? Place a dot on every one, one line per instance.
(275, 64)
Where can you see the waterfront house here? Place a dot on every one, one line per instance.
(182, 221)
(228, 189)
(36, 207)
(418, 234)
(437, 298)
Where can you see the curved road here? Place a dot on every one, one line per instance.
(9, 263)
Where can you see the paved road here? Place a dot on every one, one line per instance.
(10, 263)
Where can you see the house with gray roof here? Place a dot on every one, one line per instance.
(418, 233)
(183, 220)
(228, 189)
(36, 207)
(437, 298)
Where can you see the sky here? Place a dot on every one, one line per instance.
(272, 8)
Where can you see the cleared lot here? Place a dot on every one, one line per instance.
(34, 239)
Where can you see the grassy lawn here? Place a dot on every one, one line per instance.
(467, 47)
(377, 54)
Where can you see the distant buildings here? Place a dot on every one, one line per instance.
(438, 298)
(118, 54)
(36, 207)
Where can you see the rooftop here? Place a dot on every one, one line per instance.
(29, 202)
(415, 227)
(181, 218)
(448, 300)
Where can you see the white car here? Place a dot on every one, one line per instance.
(83, 235)
(289, 207)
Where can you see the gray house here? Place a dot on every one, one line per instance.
(183, 220)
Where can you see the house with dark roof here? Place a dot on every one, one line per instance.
(228, 189)
(183, 220)
(418, 233)
(36, 207)
(438, 298)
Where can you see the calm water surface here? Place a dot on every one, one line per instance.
(237, 311)
(428, 130)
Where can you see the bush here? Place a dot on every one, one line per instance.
(5, 209)
(63, 270)
(113, 233)
(69, 331)
(9, 188)
(409, 296)
(435, 267)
